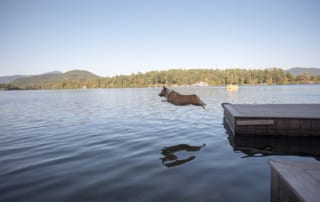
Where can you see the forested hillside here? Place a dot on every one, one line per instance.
(174, 77)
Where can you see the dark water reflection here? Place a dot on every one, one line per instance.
(261, 146)
(170, 159)
(115, 145)
(266, 146)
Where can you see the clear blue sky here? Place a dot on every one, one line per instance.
(121, 37)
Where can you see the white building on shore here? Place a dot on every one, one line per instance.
(200, 84)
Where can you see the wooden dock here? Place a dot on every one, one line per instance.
(273, 119)
(293, 181)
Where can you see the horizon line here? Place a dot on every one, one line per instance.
(143, 72)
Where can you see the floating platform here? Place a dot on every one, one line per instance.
(232, 87)
(295, 181)
(273, 119)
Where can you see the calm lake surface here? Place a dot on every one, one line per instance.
(125, 145)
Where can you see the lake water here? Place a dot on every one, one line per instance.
(125, 145)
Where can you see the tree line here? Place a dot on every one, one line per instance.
(178, 77)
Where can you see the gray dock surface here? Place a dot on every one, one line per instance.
(273, 119)
(304, 111)
(295, 181)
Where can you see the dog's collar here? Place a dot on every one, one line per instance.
(168, 92)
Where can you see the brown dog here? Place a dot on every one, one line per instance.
(178, 99)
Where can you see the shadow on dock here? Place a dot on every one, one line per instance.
(260, 146)
(170, 159)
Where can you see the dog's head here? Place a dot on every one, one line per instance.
(164, 92)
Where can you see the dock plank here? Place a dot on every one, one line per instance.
(277, 110)
(295, 181)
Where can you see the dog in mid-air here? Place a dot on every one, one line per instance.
(178, 99)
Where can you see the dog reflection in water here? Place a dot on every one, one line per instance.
(171, 160)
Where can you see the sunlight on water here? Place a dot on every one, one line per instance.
(127, 145)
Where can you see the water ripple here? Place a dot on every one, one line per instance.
(108, 145)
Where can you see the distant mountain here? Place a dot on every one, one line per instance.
(53, 72)
(54, 77)
(300, 70)
(79, 75)
(8, 79)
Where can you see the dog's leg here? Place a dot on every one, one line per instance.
(202, 104)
